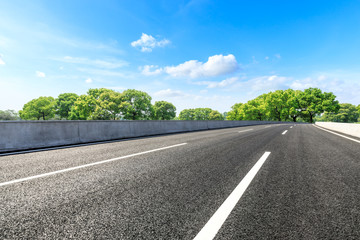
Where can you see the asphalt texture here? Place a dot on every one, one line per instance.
(308, 188)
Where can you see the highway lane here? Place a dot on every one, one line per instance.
(307, 188)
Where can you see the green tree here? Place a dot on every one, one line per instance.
(42, 107)
(313, 101)
(293, 105)
(64, 103)
(254, 109)
(83, 108)
(108, 106)
(276, 105)
(136, 105)
(202, 113)
(234, 113)
(9, 115)
(187, 114)
(215, 115)
(347, 114)
(164, 110)
(96, 92)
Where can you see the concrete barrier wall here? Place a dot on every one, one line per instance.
(22, 135)
(352, 129)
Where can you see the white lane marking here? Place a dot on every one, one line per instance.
(267, 126)
(246, 130)
(284, 132)
(211, 228)
(87, 165)
(337, 134)
(291, 127)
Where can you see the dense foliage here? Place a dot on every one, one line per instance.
(98, 104)
(164, 111)
(286, 105)
(348, 113)
(200, 114)
(106, 104)
(39, 108)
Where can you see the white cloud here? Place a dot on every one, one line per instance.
(146, 70)
(266, 58)
(169, 93)
(108, 64)
(40, 74)
(215, 66)
(89, 80)
(303, 84)
(221, 84)
(278, 56)
(1, 61)
(147, 43)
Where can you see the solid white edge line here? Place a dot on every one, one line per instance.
(284, 132)
(246, 130)
(87, 165)
(212, 227)
(337, 134)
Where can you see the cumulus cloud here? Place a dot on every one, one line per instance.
(40, 74)
(89, 80)
(108, 64)
(215, 66)
(147, 43)
(169, 93)
(146, 70)
(223, 83)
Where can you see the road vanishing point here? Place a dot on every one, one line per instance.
(284, 181)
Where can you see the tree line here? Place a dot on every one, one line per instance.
(105, 104)
(98, 104)
(293, 105)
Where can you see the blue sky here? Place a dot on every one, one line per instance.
(198, 53)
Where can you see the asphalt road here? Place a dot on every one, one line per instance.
(307, 188)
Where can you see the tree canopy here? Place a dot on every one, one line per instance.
(137, 105)
(39, 108)
(98, 104)
(164, 110)
(64, 103)
(347, 113)
(283, 105)
(200, 114)
(131, 104)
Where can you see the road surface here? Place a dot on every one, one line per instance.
(258, 182)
